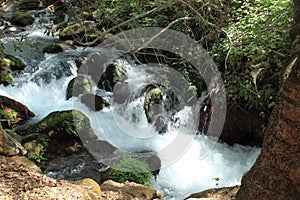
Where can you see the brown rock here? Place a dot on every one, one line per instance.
(128, 191)
(227, 193)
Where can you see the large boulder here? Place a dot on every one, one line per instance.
(22, 18)
(79, 85)
(110, 77)
(128, 191)
(59, 133)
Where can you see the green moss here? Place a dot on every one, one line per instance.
(152, 98)
(21, 18)
(78, 85)
(72, 122)
(37, 147)
(130, 169)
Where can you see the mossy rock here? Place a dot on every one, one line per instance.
(129, 169)
(64, 123)
(94, 102)
(36, 147)
(13, 63)
(79, 85)
(22, 18)
(153, 97)
(13, 112)
(53, 48)
(78, 30)
(110, 77)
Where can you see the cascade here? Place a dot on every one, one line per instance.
(187, 164)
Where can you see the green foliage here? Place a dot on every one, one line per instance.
(130, 169)
(259, 46)
(249, 40)
(36, 149)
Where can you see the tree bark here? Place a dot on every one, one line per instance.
(276, 173)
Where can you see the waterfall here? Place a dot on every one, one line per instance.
(187, 164)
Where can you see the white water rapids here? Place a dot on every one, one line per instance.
(189, 173)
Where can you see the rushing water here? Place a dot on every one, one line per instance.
(42, 87)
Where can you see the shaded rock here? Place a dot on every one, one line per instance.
(53, 48)
(13, 5)
(7, 147)
(153, 103)
(121, 92)
(242, 127)
(85, 31)
(94, 102)
(13, 111)
(128, 191)
(6, 77)
(110, 77)
(21, 18)
(227, 193)
(69, 122)
(75, 167)
(59, 133)
(94, 66)
(21, 162)
(79, 85)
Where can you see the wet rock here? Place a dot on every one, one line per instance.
(94, 102)
(79, 85)
(94, 65)
(110, 77)
(153, 103)
(53, 48)
(128, 191)
(121, 92)
(75, 167)
(22, 18)
(69, 122)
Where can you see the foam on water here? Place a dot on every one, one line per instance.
(189, 163)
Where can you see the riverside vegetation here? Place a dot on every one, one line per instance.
(248, 40)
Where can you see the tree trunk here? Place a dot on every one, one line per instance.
(276, 173)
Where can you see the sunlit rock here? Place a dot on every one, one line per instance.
(78, 85)
(128, 190)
